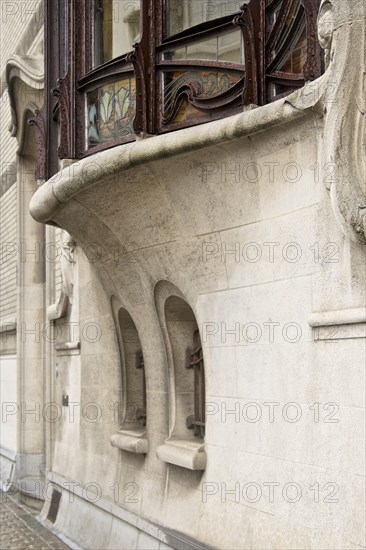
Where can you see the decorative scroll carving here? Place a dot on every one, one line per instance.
(342, 31)
(137, 60)
(207, 91)
(29, 69)
(62, 93)
(39, 125)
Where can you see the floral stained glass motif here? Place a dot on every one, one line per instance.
(110, 111)
(194, 93)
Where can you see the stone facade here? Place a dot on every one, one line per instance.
(21, 273)
(252, 229)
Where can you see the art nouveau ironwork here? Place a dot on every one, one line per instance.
(190, 62)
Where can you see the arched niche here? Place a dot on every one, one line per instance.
(132, 433)
(185, 444)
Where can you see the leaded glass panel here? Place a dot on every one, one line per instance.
(110, 111)
(186, 93)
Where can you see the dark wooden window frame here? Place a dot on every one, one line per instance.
(197, 420)
(69, 70)
(141, 412)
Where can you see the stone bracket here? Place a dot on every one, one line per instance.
(186, 453)
(133, 441)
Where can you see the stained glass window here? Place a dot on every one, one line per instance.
(144, 67)
(187, 94)
(110, 111)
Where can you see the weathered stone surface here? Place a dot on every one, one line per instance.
(236, 216)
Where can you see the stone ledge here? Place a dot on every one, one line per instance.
(183, 452)
(58, 310)
(8, 453)
(133, 441)
(340, 324)
(68, 348)
(8, 324)
(338, 317)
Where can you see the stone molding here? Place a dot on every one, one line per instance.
(25, 81)
(183, 452)
(338, 317)
(8, 324)
(133, 441)
(8, 453)
(339, 324)
(59, 309)
(51, 197)
(342, 33)
(30, 70)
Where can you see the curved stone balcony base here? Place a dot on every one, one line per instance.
(341, 24)
(186, 453)
(133, 441)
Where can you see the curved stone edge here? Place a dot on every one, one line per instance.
(342, 29)
(338, 317)
(29, 69)
(184, 453)
(54, 194)
(131, 440)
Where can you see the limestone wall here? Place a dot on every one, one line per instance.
(246, 232)
(257, 223)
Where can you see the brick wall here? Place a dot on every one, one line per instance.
(8, 253)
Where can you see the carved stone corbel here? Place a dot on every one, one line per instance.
(61, 307)
(25, 81)
(342, 33)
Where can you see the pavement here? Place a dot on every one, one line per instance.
(20, 529)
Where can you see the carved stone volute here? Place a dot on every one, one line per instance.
(342, 31)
